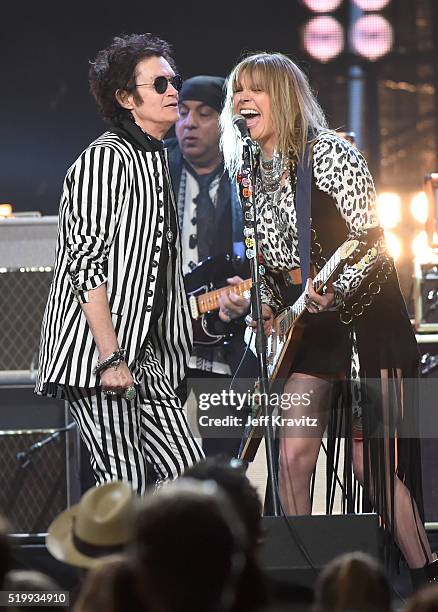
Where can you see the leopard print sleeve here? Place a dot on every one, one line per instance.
(341, 172)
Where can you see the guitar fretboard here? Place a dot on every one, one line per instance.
(289, 316)
(209, 301)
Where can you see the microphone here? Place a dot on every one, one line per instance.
(239, 123)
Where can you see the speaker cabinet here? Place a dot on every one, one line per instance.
(426, 296)
(39, 455)
(321, 537)
(27, 254)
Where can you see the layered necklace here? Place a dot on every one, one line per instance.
(271, 171)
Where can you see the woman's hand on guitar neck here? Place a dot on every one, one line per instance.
(268, 320)
(231, 305)
(315, 302)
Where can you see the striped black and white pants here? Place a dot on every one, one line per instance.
(124, 436)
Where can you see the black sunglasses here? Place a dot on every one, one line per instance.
(161, 83)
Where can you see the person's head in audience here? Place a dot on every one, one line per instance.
(5, 550)
(424, 600)
(354, 581)
(98, 526)
(110, 587)
(229, 474)
(190, 548)
(30, 580)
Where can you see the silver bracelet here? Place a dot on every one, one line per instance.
(112, 360)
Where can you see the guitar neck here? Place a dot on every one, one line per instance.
(287, 318)
(209, 301)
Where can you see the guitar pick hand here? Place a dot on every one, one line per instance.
(318, 303)
(232, 306)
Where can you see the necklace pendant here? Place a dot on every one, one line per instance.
(169, 236)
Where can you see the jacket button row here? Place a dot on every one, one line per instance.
(148, 308)
(151, 278)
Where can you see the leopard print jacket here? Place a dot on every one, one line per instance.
(341, 172)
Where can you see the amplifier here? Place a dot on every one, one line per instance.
(39, 455)
(426, 296)
(27, 253)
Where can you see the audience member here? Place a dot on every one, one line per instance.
(424, 600)
(354, 581)
(5, 550)
(35, 582)
(99, 525)
(191, 551)
(111, 586)
(230, 475)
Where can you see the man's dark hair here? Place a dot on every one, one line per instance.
(114, 68)
(229, 474)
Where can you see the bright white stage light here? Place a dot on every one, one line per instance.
(421, 247)
(394, 245)
(322, 6)
(371, 5)
(372, 36)
(5, 210)
(420, 207)
(389, 209)
(323, 38)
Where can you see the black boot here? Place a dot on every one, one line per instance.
(418, 578)
(431, 572)
(424, 575)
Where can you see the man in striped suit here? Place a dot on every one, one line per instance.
(116, 334)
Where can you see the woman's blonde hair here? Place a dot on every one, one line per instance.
(294, 108)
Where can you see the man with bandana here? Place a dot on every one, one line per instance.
(211, 224)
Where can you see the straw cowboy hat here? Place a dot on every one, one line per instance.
(99, 525)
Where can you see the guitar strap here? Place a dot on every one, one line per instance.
(303, 196)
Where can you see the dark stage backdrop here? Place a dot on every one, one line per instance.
(48, 115)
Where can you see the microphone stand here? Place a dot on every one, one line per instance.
(247, 178)
(24, 458)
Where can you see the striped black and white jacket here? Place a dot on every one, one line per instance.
(111, 230)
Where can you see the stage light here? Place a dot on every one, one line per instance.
(371, 5)
(372, 36)
(323, 38)
(421, 247)
(393, 244)
(420, 207)
(389, 209)
(5, 210)
(322, 6)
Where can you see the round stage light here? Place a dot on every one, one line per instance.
(394, 245)
(322, 6)
(5, 210)
(371, 5)
(420, 207)
(421, 247)
(389, 209)
(323, 38)
(372, 36)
